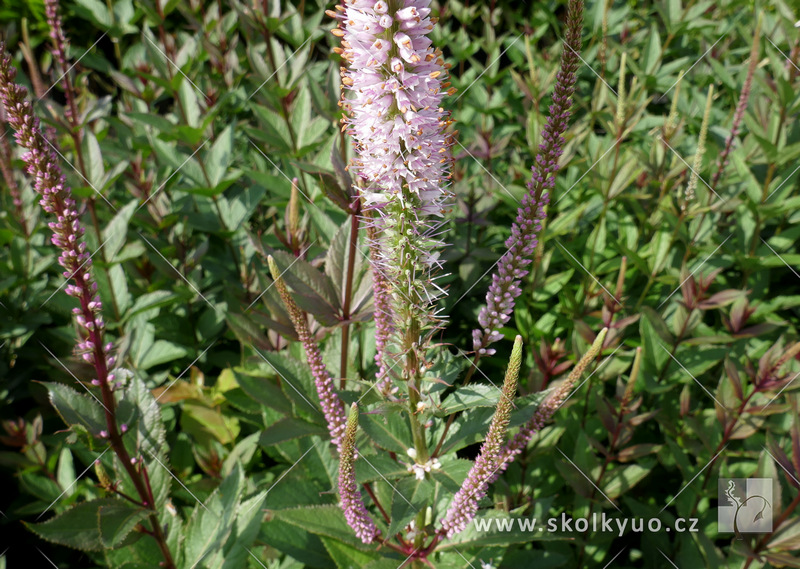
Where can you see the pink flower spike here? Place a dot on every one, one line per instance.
(513, 265)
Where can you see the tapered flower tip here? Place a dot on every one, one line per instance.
(597, 345)
(352, 417)
(273, 268)
(590, 354)
(352, 504)
(514, 365)
(516, 351)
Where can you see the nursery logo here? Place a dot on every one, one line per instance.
(745, 505)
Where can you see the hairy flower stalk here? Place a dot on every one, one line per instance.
(56, 199)
(513, 265)
(465, 503)
(332, 406)
(384, 313)
(355, 512)
(548, 407)
(741, 106)
(698, 156)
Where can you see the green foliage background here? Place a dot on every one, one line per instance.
(195, 118)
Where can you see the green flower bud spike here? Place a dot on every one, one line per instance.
(355, 512)
(465, 503)
(549, 406)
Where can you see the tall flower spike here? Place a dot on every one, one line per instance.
(548, 407)
(741, 106)
(512, 268)
(672, 119)
(60, 52)
(332, 406)
(56, 199)
(8, 175)
(698, 155)
(465, 503)
(397, 82)
(352, 504)
(619, 118)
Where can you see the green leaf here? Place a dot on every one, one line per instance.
(453, 473)
(76, 409)
(380, 467)
(177, 161)
(296, 381)
(653, 53)
(219, 157)
(247, 524)
(478, 395)
(162, 351)
(384, 563)
(409, 497)
(95, 11)
(119, 283)
(288, 429)
(659, 250)
(347, 557)
(472, 426)
(338, 255)
(344, 180)
(313, 291)
(153, 300)
(212, 522)
(299, 544)
(301, 115)
(262, 389)
(80, 526)
(116, 520)
(142, 410)
(390, 431)
(654, 333)
(41, 487)
(329, 184)
(322, 520)
(623, 478)
(94, 159)
(248, 332)
(65, 474)
(188, 97)
(206, 422)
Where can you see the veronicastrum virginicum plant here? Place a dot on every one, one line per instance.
(394, 84)
(103, 418)
(397, 84)
(128, 518)
(230, 408)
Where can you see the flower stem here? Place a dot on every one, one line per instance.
(348, 291)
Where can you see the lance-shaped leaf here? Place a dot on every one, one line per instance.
(92, 526)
